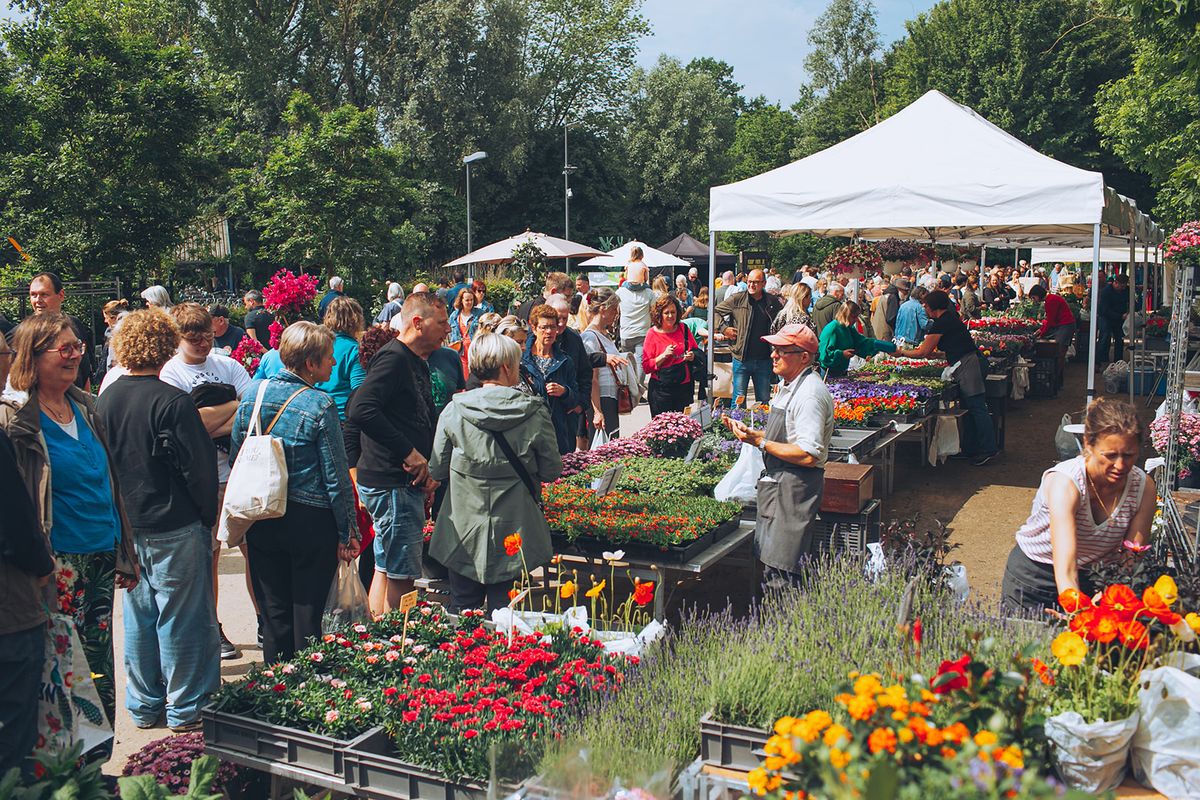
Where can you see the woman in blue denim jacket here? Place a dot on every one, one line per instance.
(552, 374)
(293, 558)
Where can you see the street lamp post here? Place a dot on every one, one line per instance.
(478, 155)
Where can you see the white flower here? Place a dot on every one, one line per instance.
(395, 638)
(418, 648)
(364, 705)
(391, 655)
(613, 556)
(360, 628)
(1184, 631)
(270, 673)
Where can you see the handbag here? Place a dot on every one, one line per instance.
(522, 473)
(625, 402)
(258, 482)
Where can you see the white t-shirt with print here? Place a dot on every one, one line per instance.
(217, 368)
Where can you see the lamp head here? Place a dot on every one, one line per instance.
(478, 155)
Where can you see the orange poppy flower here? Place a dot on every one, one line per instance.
(1073, 600)
(1104, 627)
(643, 593)
(1134, 635)
(512, 544)
(1155, 608)
(1120, 600)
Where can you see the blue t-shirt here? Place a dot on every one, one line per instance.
(269, 366)
(84, 516)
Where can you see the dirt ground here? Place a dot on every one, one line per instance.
(983, 506)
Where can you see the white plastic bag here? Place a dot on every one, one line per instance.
(346, 603)
(1091, 755)
(1116, 376)
(600, 438)
(856, 362)
(1066, 443)
(258, 481)
(741, 482)
(1166, 747)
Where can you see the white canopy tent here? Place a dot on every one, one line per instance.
(937, 172)
(1068, 255)
(501, 252)
(619, 258)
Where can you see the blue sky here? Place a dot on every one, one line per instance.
(765, 41)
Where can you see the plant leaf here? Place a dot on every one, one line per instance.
(140, 787)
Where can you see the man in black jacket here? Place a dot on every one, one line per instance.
(25, 567)
(168, 466)
(394, 410)
(1113, 306)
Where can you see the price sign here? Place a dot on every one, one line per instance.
(407, 603)
(692, 452)
(703, 415)
(604, 484)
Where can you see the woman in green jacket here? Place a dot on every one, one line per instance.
(840, 340)
(491, 495)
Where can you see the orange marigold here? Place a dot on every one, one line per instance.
(882, 739)
(861, 708)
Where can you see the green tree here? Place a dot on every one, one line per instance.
(102, 164)
(723, 74)
(331, 195)
(1033, 68)
(842, 38)
(764, 138)
(679, 141)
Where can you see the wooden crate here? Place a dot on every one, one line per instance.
(848, 487)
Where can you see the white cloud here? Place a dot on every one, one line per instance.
(765, 41)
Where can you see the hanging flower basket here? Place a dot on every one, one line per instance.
(854, 259)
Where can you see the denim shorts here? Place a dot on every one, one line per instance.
(399, 517)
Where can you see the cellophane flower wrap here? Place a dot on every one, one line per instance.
(1187, 441)
(248, 353)
(863, 258)
(670, 434)
(450, 694)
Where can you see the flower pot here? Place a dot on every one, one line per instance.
(1192, 481)
(1092, 756)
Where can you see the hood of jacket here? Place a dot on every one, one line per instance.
(825, 302)
(497, 408)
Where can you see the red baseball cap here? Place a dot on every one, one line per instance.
(795, 335)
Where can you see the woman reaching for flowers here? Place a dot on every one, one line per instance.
(1085, 511)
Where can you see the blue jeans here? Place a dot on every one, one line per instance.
(399, 517)
(760, 370)
(172, 649)
(22, 656)
(982, 438)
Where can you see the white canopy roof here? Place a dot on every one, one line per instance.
(1079, 255)
(619, 258)
(933, 171)
(501, 252)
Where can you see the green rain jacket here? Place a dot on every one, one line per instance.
(486, 500)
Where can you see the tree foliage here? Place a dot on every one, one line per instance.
(842, 38)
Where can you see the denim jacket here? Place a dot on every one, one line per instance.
(318, 473)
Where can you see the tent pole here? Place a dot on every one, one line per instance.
(1091, 378)
(1130, 272)
(982, 261)
(712, 301)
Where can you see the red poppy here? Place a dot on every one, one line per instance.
(1073, 600)
(643, 593)
(1121, 600)
(512, 544)
(1134, 635)
(1155, 608)
(917, 631)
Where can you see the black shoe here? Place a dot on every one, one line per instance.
(260, 636)
(981, 460)
(228, 649)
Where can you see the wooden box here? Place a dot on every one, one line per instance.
(848, 487)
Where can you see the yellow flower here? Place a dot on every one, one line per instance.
(1069, 648)
(818, 719)
(806, 731)
(905, 735)
(868, 686)
(835, 734)
(1167, 590)
(985, 739)
(838, 759)
(567, 590)
(784, 725)
(1193, 621)
(1012, 756)
(757, 778)
(861, 708)
(597, 589)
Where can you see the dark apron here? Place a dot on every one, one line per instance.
(788, 499)
(969, 374)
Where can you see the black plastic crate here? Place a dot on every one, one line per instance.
(998, 409)
(851, 532)
(289, 752)
(374, 769)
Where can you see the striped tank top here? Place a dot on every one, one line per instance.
(1093, 541)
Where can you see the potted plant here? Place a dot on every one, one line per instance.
(854, 260)
(1187, 446)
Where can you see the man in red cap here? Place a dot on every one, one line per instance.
(795, 445)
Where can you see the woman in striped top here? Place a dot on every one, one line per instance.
(1085, 511)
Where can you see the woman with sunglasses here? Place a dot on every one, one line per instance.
(62, 452)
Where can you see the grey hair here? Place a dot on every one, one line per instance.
(509, 325)
(254, 295)
(394, 291)
(336, 283)
(420, 304)
(557, 302)
(157, 295)
(490, 353)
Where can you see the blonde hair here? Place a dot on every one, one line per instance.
(33, 337)
(492, 352)
(302, 342)
(145, 339)
(847, 311)
(344, 315)
(114, 307)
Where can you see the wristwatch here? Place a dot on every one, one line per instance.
(762, 446)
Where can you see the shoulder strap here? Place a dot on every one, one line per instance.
(522, 473)
(255, 422)
(279, 413)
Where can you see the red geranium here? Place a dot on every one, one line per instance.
(957, 669)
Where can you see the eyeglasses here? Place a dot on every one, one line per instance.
(199, 338)
(547, 328)
(67, 350)
(777, 353)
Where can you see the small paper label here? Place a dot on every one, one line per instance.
(408, 602)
